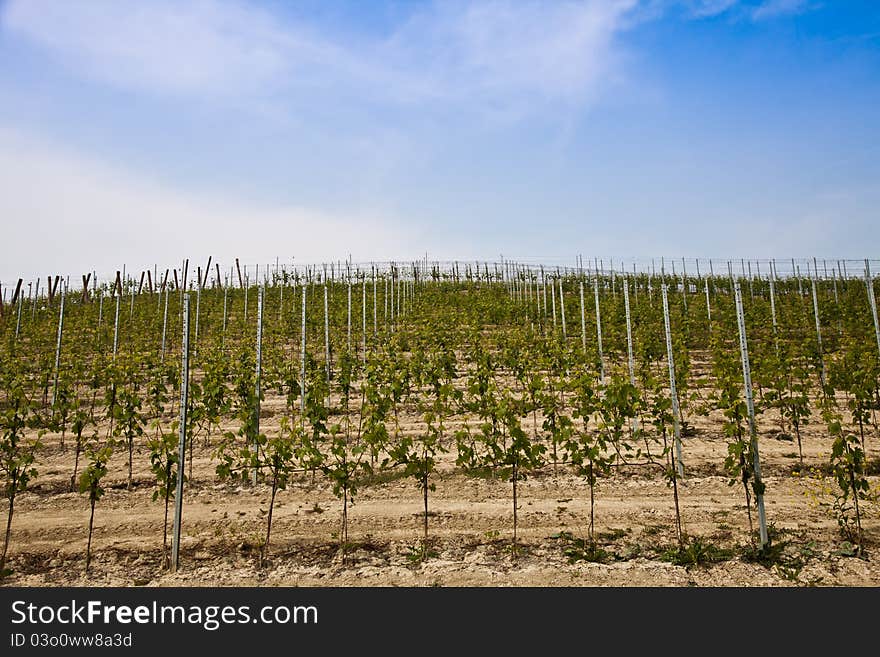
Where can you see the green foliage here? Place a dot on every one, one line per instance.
(695, 551)
(129, 420)
(739, 463)
(848, 469)
(93, 474)
(471, 358)
(164, 459)
(579, 549)
(90, 483)
(17, 449)
(418, 453)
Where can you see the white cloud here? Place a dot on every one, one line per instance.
(501, 50)
(748, 10)
(490, 53)
(775, 8)
(63, 212)
(162, 46)
(708, 8)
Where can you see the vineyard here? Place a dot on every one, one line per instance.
(424, 423)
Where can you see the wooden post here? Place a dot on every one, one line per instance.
(116, 328)
(18, 315)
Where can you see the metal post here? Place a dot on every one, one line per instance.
(259, 369)
(364, 318)
(391, 302)
(583, 322)
(708, 305)
(818, 332)
(326, 335)
(553, 301)
(544, 292)
(773, 302)
(613, 287)
(280, 296)
(198, 308)
(225, 295)
(562, 310)
(58, 346)
(181, 442)
(873, 301)
(834, 283)
(751, 289)
(684, 285)
(599, 332)
(629, 339)
(537, 293)
(302, 385)
(750, 405)
(164, 325)
(629, 344)
(635, 281)
(676, 428)
(349, 315)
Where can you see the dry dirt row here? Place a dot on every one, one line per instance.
(470, 527)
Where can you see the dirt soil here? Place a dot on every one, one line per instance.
(470, 526)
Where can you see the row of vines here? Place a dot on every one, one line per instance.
(509, 371)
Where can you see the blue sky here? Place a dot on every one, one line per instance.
(145, 132)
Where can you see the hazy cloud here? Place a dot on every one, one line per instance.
(78, 213)
(749, 10)
(707, 8)
(489, 53)
(774, 8)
